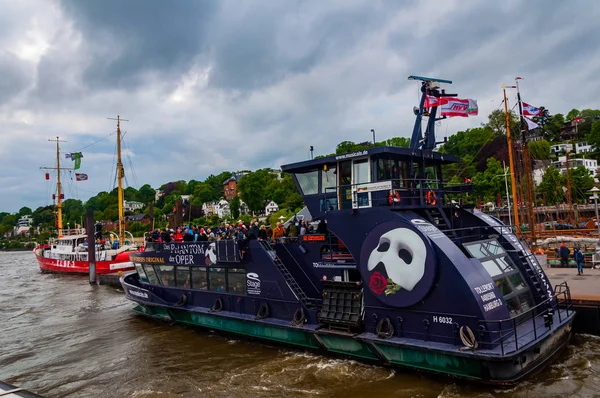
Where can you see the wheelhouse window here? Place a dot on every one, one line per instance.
(309, 182)
(199, 278)
(140, 270)
(152, 277)
(390, 169)
(166, 274)
(216, 279)
(506, 275)
(328, 179)
(236, 280)
(182, 275)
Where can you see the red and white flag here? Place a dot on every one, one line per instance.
(80, 177)
(431, 101)
(459, 107)
(530, 110)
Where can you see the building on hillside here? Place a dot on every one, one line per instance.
(132, 205)
(24, 225)
(561, 148)
(590, 164)
(141, 218)
(583, 147)
(209, 208)
(222, 209)
(539, 168)
(158, 194)
(570, 129)
(271, 208)
(230, 185)
(276, 173)
(244, 208)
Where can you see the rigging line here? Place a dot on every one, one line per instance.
(94, 143)
(133, 174)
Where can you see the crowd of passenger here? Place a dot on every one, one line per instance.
(239, 231)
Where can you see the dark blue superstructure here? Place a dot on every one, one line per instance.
(406, 274)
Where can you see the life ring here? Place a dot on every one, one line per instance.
(468, 338)
(386, 332)
(298, 318)
(393, 196)
(263, 311)
(217, 306)
(431, 198)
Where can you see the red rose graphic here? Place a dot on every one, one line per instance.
(377, 283)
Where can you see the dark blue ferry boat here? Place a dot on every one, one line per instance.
(404, 276)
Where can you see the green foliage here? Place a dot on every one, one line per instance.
(551, 186)
(253, 188)
(490, 183)
(9, 220)
(274, 218)
(497, 122)
(235, 207)
(24, 211)
(581, 183)
(539, 150)
(468, 142)
(573, 113)
(593, 137)
(552, 128)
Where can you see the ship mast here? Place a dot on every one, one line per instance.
(58, 186)
(120, 175)
(511, 162)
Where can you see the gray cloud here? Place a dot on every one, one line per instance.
(211, 86)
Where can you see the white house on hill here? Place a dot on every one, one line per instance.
(271, 208)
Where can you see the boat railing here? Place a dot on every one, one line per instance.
(71, 231)
(392, 192)
(507, 335)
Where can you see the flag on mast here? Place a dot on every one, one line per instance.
(459, 107)
(530, 110)
(531, 124)
(80, 177)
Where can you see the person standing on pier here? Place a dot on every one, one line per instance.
(578, 254)
(564, 254)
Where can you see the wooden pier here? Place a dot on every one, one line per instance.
(585, 293)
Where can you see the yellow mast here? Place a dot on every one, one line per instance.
(510, 161)
(59, 186)
(120, 175)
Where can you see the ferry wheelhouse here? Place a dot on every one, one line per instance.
(404, 276)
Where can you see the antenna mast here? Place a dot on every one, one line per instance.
(511, 161)
(120, 175)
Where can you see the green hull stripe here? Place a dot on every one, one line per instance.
(345, 345)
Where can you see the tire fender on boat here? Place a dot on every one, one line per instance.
(217, 306)
(299, 317)
(388, 331)
(263, 311)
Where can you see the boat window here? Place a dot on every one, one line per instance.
(361, 171)
(216, 279)
(503, 286)
(328, 180)
(517, 282)
(141, 272)
(151, 274)
(166, 274)
(431, 176)
(236, 280)
(389, 169)
(485, 249)
(491, 267)
(199, 280)
(182, 275)
(309, 182)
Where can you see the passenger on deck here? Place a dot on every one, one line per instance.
(178, 236)
(278, 232)
(166, 237)
(302, 228)
(262, 232)
(293, 230)
(187, 237)
(253, 231)
(322, 227)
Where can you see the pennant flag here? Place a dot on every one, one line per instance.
(77, 163)
(530, 110)
(459, 107)
(467, 180)
(80, 177)
(68, 155)
(531, 124)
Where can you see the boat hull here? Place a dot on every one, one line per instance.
(52, 265)
(480, 366)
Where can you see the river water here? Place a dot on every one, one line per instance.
(61, 337)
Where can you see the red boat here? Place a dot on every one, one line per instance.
(68, 254)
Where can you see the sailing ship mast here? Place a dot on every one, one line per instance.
(511, 161)
(120, 175)
(59, 224)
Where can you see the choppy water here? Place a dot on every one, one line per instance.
(61, 337)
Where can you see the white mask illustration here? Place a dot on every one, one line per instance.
(211, 254)
(402, 252)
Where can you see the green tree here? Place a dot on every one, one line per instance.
(402, 142)
(490, 183)
(253, 189)
(573, 113)
(146, 194)
(497, 122)
(539, 150)
(581, 183)
(593, 137)
(553, 127)
(235, 206)
(9, 220)
(203, 193)
(551, 186)
(274, 218)
(72, 211)
(24, 211)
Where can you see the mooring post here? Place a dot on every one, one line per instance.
(91, 238)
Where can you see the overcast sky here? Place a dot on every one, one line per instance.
(210, 86)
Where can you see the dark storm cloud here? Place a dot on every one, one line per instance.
(128, 38)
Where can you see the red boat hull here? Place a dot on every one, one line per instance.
(122, 263)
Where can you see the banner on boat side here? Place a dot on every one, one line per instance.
(397, 263)
(201, 253)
